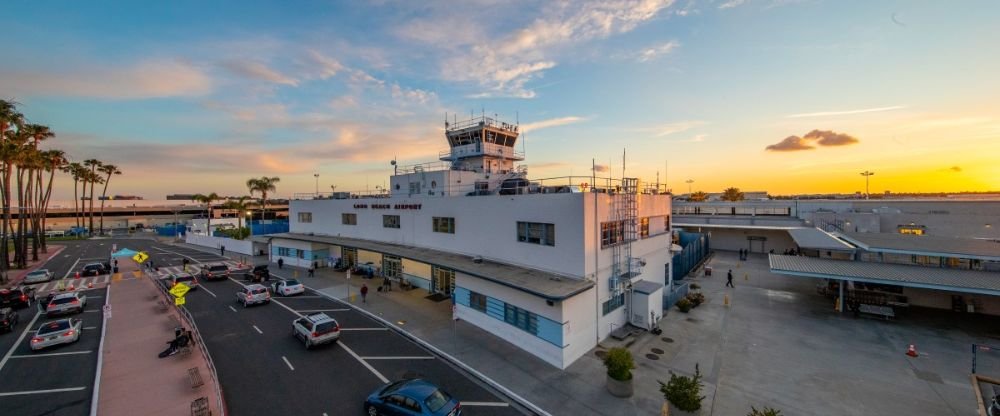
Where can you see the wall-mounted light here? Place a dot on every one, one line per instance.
(989, 225)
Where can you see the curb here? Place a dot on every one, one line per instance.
(100, 354)
(52, 254)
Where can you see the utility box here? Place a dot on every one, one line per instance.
(647, 304)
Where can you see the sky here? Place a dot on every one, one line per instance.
(782, 96)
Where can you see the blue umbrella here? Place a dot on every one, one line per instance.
(124, 253)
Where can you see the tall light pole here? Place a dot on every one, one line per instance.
(316, 175)
(867, 175)
(689, 182)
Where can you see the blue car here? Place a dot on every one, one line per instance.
(411, 397)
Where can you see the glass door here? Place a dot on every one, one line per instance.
(444, 280)
(392, 267)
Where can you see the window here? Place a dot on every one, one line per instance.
(349, 219)
(614, 303)
(305, 217)
(284, 252)
(521, 318)
(444, 225)
(536, 233)
(390, 221)
(477, 301)
(644, 227)
(612, 233)
(414, 188)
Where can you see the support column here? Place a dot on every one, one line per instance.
(840, 298)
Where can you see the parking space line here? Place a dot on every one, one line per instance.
(399, 358)
(200, 287)
(493, 404)
(231, 307)
(258, 330)
(21, 338)
(288, 363)
(322, 310)
(51, 354)
(71, 268)
(18, 393)
(363, 362)
(304, 297)
(92, 310)
(365, 329)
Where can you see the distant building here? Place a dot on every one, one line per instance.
(121, 198)
(180, 197)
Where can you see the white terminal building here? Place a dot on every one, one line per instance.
(552, 266)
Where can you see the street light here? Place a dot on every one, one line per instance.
(316, 175)
(867, 175)
(689, 182)
(250, 228)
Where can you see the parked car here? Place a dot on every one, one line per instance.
(95, 269)
(63, 331)
(44, 304)
(38, 276)
(216, 271)
(260, 273)
(288, 287)
(412, 397)
(66, 303)
(252, 295)
(186, 278)
(8, 319)
(15, 298)
(316, 329)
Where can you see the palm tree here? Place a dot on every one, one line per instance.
(732, 195)
(240, 205)
(9, 119)
(56, 160)
(208, 200)
(262, 185)
(93, 164)
(698, 197)
(107, 170)
(75, 169)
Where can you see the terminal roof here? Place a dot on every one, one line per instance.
(928, 245)
(814, 238)
(955, 280)
(550, 286)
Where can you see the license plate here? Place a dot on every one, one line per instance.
(52, 338)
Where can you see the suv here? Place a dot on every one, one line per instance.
(15, 298)
(65, 303)
(8, 319)
(95, 269)
(186, 278)
(253, 294)
(315, 329)
(217, 271)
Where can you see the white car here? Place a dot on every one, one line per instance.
(288, 287)
(315, 329)
(252, 295)
(66, 303)
(63, 331)
(38, 276)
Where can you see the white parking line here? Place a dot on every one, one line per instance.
(92, 310)
(399, 358)
(493, 404)
(231, 307)
(71, 268)
(51, 354)
(365, 329)
(18, 393)
(363, 362)
(21, 338)
(288, 363)
(200, 287)
(321, 310)
(258, 330)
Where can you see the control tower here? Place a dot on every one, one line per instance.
(481, 144)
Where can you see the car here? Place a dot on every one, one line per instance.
(186, 278)
(15, 298)
(38, 276)
(288, 287)
(216, 271)
(259, 273)
(43, 305)
(412, 397)
(8, 319)
(315, 329)
(95, 269)
(252, 295)
(66, 303)
(63, 331)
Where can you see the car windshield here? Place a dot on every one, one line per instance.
(53, 327)
(61, 301)
(437, 400)
(183, 278)
(326, 326)
(38, 273)
(291, 282)
(218, 268)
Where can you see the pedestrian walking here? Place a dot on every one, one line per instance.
(281, 262)
(364, 293)
(222, 251)
(312, 272)
(729, 279)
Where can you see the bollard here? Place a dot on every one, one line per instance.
(295, 274)
(746, 276)
(725, 300)
(836, 305)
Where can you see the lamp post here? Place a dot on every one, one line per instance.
(689, 182)
(250, 228)
(316, 175)
(867, 175)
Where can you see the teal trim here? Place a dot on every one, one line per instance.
(462, 296)
(495, 308)
(546, 329)
(550, 331)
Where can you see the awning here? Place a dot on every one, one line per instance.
(816, 239)
(124, 253)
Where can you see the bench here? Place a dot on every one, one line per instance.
(884, 311)
(199, 407)
(194, 376)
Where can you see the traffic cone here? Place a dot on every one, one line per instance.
(90, 285)
(912, 351)
(71, 288)
(76, 275)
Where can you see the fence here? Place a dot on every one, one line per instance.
(272, 228)
(696, 247)
(171, 230)
(198, 340)
(235, 246)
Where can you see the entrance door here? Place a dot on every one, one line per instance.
(392, 267)
(349, 255)
(444, 280)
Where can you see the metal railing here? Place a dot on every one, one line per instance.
(482, 121)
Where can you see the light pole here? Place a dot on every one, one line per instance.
(689, 182)
(316, 175)
(867, 175)
(250, 228)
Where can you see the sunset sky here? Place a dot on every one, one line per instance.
(784, 96)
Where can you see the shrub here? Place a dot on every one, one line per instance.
(764, 411)
(619, 363)
(684, 305)
(695, 299)
(684, 392)
(695, 286)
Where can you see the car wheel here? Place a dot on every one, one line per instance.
(372, 411)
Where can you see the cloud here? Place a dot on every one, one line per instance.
(412, 94)
(552, 122)
(732, 3)
(155, 78)
(846, 112)
(816, 137)
(651, 53)
(600, 168)
(699, 138)
(258, 71)
(342, 102)
(671, 128)
(324, 66)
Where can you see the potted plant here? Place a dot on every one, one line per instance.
(684, 305)
(696, 299)
(619, 363)
(683, 392)
(764, 411)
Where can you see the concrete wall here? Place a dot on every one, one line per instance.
(235, 246)
(985, 304)
(734, 239)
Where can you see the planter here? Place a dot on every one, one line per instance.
(620, 388)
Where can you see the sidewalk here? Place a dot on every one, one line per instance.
(15, 276)
(133, 380)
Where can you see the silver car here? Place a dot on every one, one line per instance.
(66, 303)
(315, 329)
(63, 331)
(38, 276)
(288, 287)
(253, 294)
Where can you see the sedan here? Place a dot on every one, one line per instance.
(288, 287)
(38, 276)
(66, 303)
(8, 319)
(63, 331)
(412, 397)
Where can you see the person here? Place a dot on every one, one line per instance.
(364, 293)
(772, 251)
(729, 279)
(386, 284)
(185, 262)
(281, 262)
(222, 251)
(116, 263)
(181, 340)
(312, 272)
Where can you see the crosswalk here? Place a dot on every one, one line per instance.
(194, 269)
(97, 282)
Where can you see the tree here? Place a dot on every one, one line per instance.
(10, 119)
(56, 160)
(208, 200)
(262, 185)
(107, 170)
(698, 197)
(619, 364)
(76, 170)
(764, 411)
(240, 205)
(732, 195)
(684, 392)
(93, 164)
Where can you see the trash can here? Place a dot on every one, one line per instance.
(708, 270)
